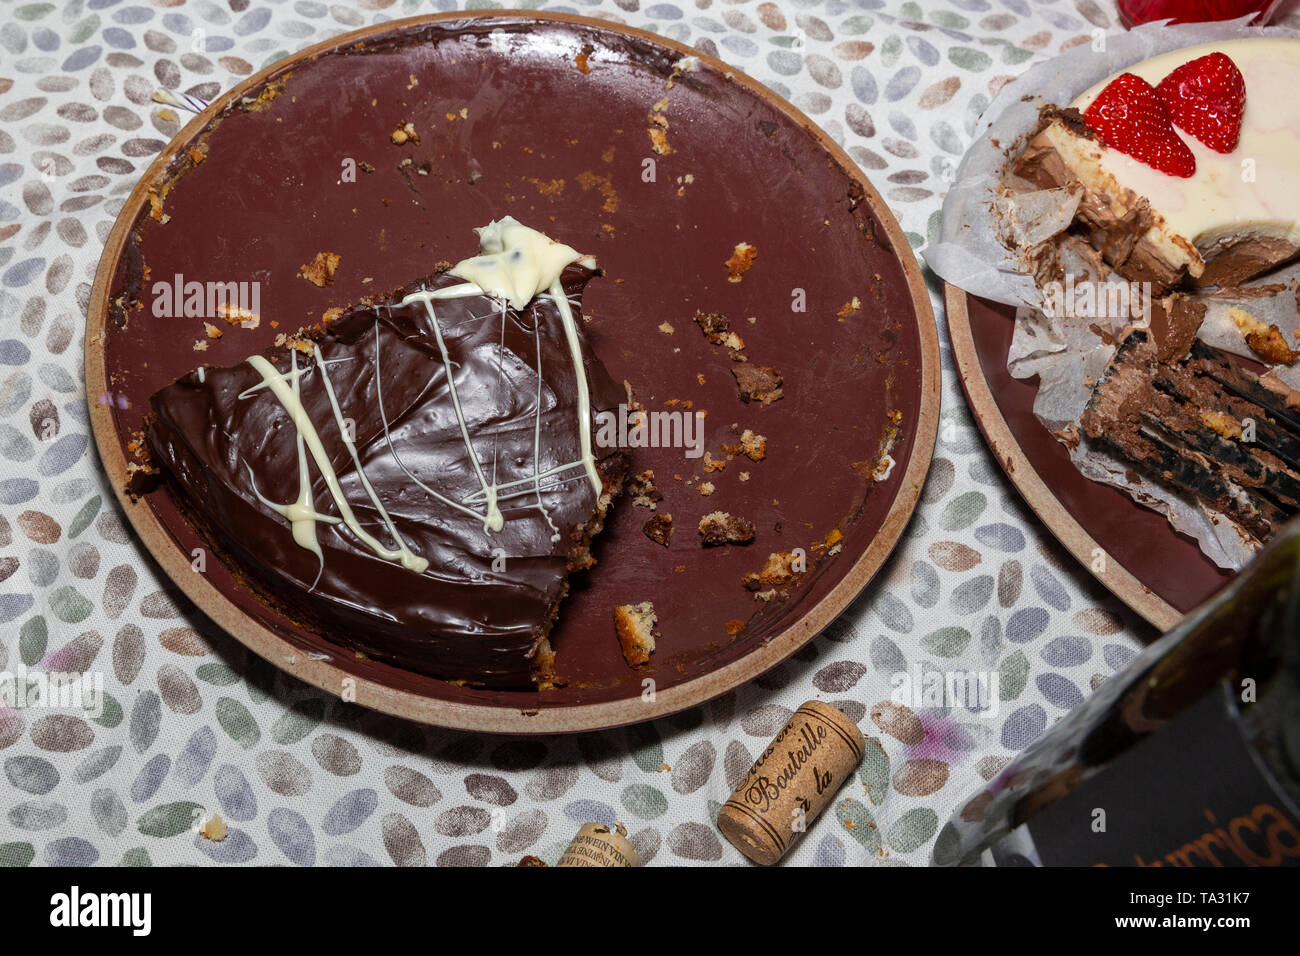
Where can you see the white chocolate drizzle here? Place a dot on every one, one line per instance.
(302, 513)
(517, 264)
(493, 519)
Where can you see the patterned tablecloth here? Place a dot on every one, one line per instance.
(193, 724)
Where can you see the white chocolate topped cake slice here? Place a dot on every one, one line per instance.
(419, 481)
(1217, 208)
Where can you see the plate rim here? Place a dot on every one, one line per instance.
(1116, 578)
(507, 718)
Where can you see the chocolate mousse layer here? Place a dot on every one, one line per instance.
(1233, 260)
(430, 449)
(1175, 320)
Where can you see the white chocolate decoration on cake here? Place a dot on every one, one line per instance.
(517, 264)
(1225, 197)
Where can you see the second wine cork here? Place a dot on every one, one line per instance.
(791, 782)
(599, 844)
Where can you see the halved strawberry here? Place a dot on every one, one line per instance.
(1129, 116)
(1206, 97)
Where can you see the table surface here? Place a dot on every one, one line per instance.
(193, 724)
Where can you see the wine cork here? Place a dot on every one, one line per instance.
(791, 782)
(598, 844)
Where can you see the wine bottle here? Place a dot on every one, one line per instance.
(1188, 757)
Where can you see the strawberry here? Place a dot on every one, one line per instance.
(1206, 97)
(1130, 116)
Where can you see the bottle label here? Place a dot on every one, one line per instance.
(1193, 794)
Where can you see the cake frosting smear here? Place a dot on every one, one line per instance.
(1237, 215)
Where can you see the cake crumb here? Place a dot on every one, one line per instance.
(717, 329)
(758, 383)
(641, 489)
(781, 568)
(548, 188)
(155, 205)
(211, 331)
(544, 666)
(1224, 424)
(742, 258)
(706, 488)
(635, 625)
(1068, 436)
(605, 185)
(666, 328)
(404, 134)
(1264, 340)
(213, 828)
(719, 528)
(532, 861)
(832, 544)
(659, 528)
(734, 627)
(853, 305)
(320, 271)
(238, 315)
(659, 141)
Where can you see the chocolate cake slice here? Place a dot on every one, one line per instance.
(1204, 427)
(419, 483)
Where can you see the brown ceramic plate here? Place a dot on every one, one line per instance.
(1132, 550)
(555, 131)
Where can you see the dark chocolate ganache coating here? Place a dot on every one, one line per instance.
(228, 446)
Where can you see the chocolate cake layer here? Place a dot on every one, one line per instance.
(1204, 427)
(480, 610)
